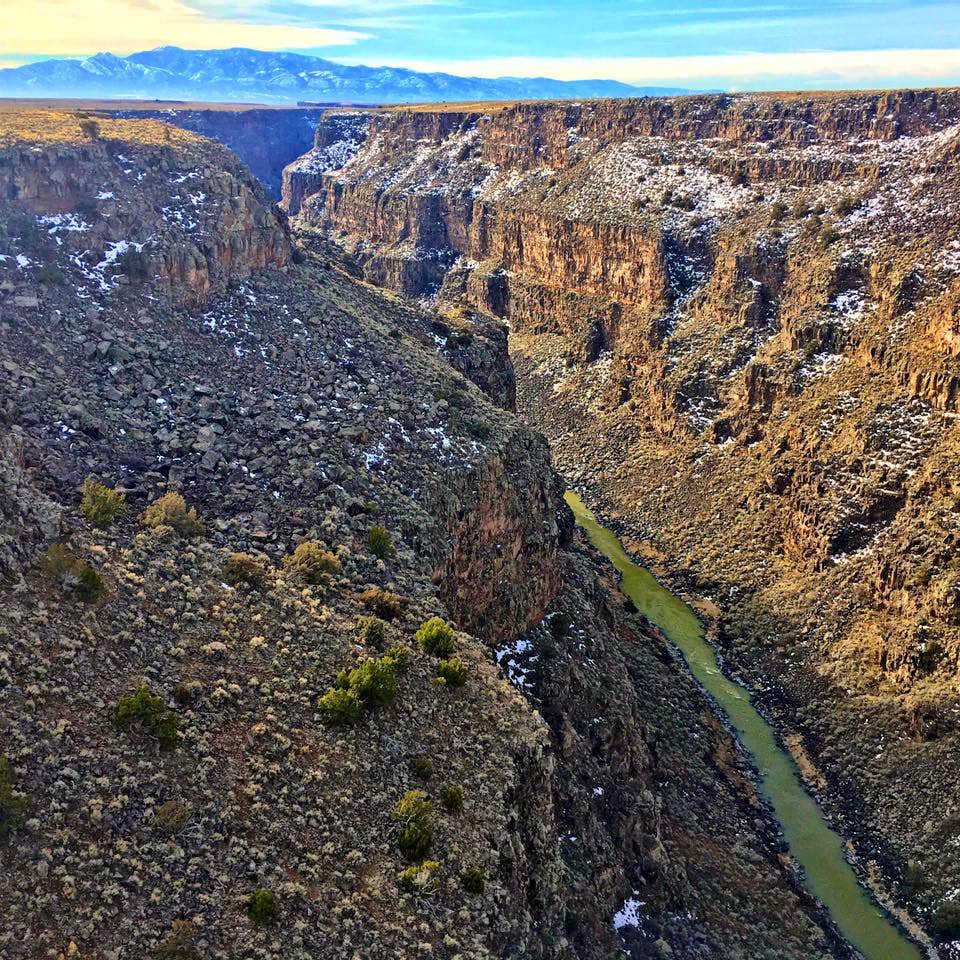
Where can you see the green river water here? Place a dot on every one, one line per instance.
(812, 842)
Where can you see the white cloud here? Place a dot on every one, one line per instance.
(74, 27)
(748, 70)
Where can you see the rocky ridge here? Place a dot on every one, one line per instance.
(734, 318)
(158, 332)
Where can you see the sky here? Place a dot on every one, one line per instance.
(699, 44)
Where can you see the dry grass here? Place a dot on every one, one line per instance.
(48, 126)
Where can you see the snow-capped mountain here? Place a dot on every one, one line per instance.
(243, 75)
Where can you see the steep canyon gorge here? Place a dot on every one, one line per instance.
(378, 697)
(300, 655)
(735, 320)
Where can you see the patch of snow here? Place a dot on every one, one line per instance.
(67, 222)
(629, 915)
(518, 662)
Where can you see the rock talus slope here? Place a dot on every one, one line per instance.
(171, 782)
(735, 318)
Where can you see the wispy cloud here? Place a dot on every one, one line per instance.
(74, 27)
(749, 70)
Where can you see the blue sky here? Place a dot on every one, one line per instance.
(735, 44)
(447, 29)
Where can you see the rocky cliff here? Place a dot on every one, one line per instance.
(134, 200)
(266, 140)
(235, 483)
(735, 319)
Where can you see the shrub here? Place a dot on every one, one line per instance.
(51, 275)
(244, 568)
(171, 510)
(90, 586)
(71, 573)
(460, 338)
(100, 505)
(172, 815)
(312, 561)
(415, 840)
(374, 681)
(473, 879)
(263, 907)
(435, 637)
(134, 264)
(421, 878)
(180, 944)
(828, 237)
(59, 562)
(559, 625)
(422, 767)
(478, 429)
(371, 631)
(914, 878)
(453, 672)
(87, 209)
(379, 542)
(187, 694)
(414, 813)
(340, 707)
(383, 603)
(451, 797)
(946, 920)
(149, 712)
(90, 129)
(399, 655)
(31, 239)
(414, 805)
(12, 808)
(847, 205)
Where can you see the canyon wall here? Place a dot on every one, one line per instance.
(196, 220)
(735, 318)
(265, 139)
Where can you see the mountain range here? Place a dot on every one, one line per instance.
(244, 75)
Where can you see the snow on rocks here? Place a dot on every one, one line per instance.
(630, 913)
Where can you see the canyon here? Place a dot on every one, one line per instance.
(237, 485)
(735, 320)
(729, 322)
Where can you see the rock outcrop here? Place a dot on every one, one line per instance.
(335, 141)
(160, 203)
(265, 139)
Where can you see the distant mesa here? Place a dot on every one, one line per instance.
(241, 75)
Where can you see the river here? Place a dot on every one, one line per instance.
(813, 844)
